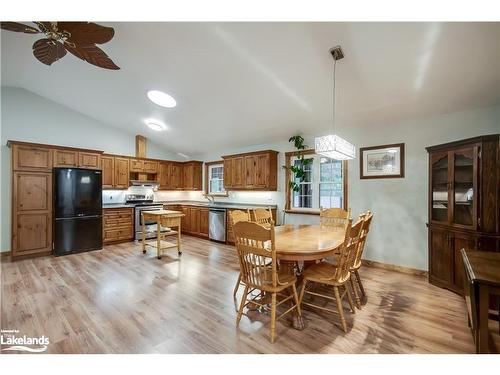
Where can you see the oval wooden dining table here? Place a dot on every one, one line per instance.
(302, 243)
(295, 243)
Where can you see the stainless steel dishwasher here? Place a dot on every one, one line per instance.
(217, 224)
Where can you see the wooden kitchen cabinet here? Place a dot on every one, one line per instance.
(31, 213)
(251, 171)
(192, 175)
(204, 222)
(30, 158)
(117, 225)
(136, 165)
(73, 158)
(194, 216)
(108, 171)
(176, 176)
(164, 175)
(89, 160)
(150, 166)
(121, 173)
(463, 205)
(65, 158)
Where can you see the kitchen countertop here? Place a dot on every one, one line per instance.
(238, 206)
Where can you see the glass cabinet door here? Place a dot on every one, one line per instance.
(440, 184)
(464, 187)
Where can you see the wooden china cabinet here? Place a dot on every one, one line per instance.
(464, 194)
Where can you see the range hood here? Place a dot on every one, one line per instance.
(153, 184)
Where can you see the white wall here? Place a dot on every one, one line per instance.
(398, 235)
(28, 117)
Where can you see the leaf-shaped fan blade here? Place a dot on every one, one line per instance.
(48, 51)
(93, 55)
(86, 33)
(19, 27)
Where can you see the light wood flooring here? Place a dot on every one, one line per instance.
(118, 300)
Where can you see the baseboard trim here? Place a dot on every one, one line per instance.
(5, 256)
(393, 267)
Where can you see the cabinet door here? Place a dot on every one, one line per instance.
(121, 173)
(150, 166)
(164, 175)
(136, 165)
(238, 172)
(464, 187)
(229, 227)
(31, 158)
(195, 220)
(89, 160)
(32, 213)
(440, 187)
(228, 173)
(65, 158)
(204, 222)
(441, 257)
(188, 176)
(176, 176)
(261, 174)
(249, 172)
(197, 176)
(108, 172)
(186, 219)
(32, 233)
(32, 191)
(460, 242)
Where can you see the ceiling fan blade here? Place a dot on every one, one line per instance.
(19, 27)
(92, 54)
(48, 51)
(86, 33)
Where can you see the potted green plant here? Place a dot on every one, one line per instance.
(297, 170)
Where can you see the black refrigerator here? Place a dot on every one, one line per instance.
(77, 210)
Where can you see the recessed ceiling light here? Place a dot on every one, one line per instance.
(162, 99)
(156, 125)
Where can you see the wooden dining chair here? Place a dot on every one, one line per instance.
(356, 264)
(256, 250)
(236, 216)
(334, 275)
(334, 217)
(262, 216)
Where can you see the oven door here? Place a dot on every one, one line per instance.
(150, 225)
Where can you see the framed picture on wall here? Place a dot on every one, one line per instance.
(386, 161)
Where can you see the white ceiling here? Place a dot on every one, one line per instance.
(238, 84)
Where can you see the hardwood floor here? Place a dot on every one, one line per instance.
(120, 301)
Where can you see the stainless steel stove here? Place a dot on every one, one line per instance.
(144, 202)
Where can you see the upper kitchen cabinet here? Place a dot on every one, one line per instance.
(176, 176)
(164, 175)
(136, 165)
(251, 171)
(64, 157)
(192, 175)
(30, 157)
(121, 173)
(108, 171)
(463, 205)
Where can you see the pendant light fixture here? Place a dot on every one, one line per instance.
(333, 146)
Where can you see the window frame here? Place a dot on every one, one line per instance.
(208, 166)
(288, 175)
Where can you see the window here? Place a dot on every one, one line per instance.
(323, 186)
(215, 178)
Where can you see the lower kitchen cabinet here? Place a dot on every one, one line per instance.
(194, 221)
(204, 222)
(31, 214)
(118, 225)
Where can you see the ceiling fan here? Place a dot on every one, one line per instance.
(79, 38)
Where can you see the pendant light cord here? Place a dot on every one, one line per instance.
(333, 99)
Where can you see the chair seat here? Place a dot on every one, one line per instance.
(285, 281)
(321, 272)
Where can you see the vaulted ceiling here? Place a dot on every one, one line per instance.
(239, 84)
